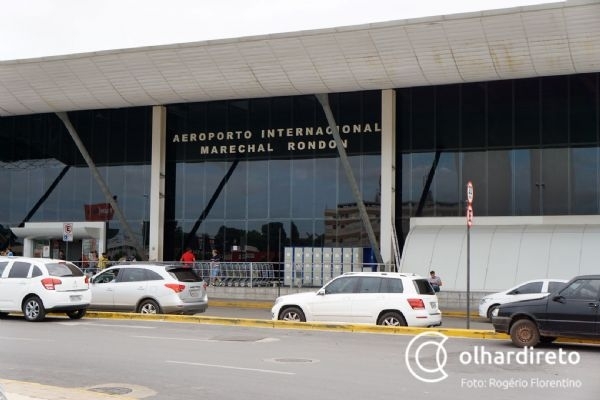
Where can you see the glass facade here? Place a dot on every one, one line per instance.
(45, 178)
(264, 174)
(530, 147)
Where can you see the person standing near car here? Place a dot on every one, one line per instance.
(188, 258)
(435, 281)
(215, 268)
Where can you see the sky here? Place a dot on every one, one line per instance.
(39, 28)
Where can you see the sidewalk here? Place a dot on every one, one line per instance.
(20, 390)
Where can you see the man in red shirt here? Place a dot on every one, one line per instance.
(188, 257)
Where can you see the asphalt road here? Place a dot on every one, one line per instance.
(167, 360)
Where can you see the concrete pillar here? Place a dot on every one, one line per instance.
(388, 174)
(157, 184)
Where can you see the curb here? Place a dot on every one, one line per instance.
(320, 326)
(263, 323)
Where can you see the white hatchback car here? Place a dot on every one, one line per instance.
(527, 290)
(149, 288)
(382, 298)
(35, 286)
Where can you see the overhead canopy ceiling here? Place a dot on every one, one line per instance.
(550, 39)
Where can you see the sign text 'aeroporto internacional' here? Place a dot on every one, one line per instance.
(316, 141)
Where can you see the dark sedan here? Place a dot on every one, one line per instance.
(571, 312)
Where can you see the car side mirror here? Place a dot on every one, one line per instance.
(559, 299)
(321, 292)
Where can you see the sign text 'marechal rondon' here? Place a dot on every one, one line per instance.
(318, 141)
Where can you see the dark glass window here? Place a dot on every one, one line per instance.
(342, 285)
(528, 288)
(527, 112)
(423, 118)
(473, 116)
(392, 286)
(36, 271)
(555, 107)
(583, 110)
(19, 269)
(500, 113)
(369, 285)
(447, 117)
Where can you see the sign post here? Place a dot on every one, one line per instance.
(469, 224)
(68, 232)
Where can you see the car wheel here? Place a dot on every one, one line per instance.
(392, 319)
(76, 314)
(33, 309)
(149, 307)
(292, 314)
(491, 310)
(525, 333)
(547, 339)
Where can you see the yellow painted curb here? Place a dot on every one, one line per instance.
(264, 323)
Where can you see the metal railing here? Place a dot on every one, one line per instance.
(259, 274)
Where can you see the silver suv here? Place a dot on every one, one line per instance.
(35, 286)
(382, 298)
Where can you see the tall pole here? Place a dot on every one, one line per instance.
(469, 223)
(468, 276)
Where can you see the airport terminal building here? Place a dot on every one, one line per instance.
(223, 144)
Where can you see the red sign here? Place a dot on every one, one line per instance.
(469, 215)
(98, 212)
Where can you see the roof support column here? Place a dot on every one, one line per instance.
(157, 184)
(388, 175)
(324, 100)
(103, 186)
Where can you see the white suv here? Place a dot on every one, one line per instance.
(382, 298)
(35, 286)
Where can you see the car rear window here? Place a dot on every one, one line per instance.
(423, 286)
(63, 269)
(184, 274)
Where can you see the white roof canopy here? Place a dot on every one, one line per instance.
(549, 39)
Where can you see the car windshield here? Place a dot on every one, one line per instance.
(184, 274)
(63, 269)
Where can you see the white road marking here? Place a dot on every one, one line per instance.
(176, 338)
(108, 325)
(25, 339)
(268, 371)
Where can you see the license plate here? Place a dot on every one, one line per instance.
(194, 292)
(75, 298)
(433, 305)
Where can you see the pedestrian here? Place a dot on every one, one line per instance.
(61, 255)
(435, 281)
(9, 251)
(215, 268)
(188, 258)
(102, 261)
